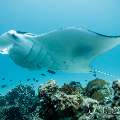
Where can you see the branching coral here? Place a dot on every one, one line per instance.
(55, 103)
(68, 102)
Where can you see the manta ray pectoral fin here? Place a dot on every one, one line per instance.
(77, 69)
(80, 66)
(83, 47)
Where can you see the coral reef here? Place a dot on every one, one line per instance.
(97, 101)
(18, 103)
(95, 85)
(55, 104)
(116, 98)
(100, 90)
(48, 89)
(72, 88)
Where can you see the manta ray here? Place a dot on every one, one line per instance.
(69, 49)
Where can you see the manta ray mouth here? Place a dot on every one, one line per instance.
(5, 43)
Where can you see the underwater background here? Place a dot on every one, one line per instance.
(38, 16)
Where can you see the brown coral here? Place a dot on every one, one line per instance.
(98, 96)
(95, 85)
(72, 88)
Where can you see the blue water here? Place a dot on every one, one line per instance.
(38, 16)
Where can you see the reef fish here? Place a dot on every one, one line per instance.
(69, 49)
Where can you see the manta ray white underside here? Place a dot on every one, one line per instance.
(69, 49)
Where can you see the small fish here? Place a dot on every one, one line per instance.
(28, 79)
(3, 86)
(43, 74)
(51, 71)
(32, 84)
(34, 79)
(3, 78)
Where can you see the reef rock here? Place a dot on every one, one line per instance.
(68, 102)
(18, 103)
(55, 104)
(99, 90)
(72, 88)
(48, 89)
(116, 88)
